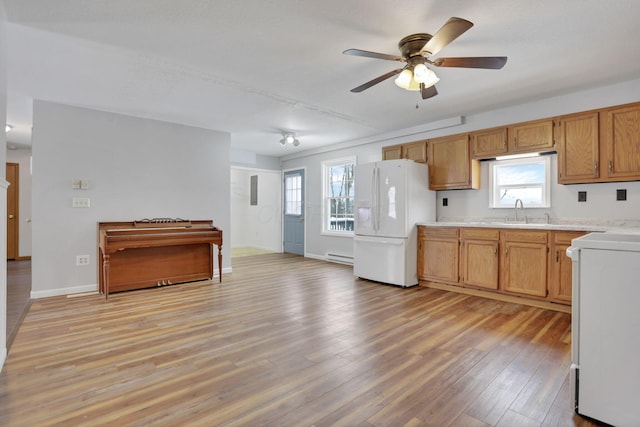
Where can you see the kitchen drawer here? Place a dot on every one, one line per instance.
(480, 234)
(532, 236)
(439, 232)
(565, 237)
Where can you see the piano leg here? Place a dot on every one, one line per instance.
(105, 275)
(220, 262)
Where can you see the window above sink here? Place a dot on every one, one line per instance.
(523, 178)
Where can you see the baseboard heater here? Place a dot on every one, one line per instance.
(342, 259)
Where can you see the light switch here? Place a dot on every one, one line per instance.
(75, 184)
(84, 184)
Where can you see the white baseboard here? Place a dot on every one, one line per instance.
(64, 291)
(3, 357)
(89, 288)
(327, 258)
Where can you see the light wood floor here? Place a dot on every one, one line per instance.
(287, 341)
(18, 295)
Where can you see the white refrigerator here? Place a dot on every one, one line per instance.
(391, 197)
(605, 353)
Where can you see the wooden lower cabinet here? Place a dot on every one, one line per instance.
(520, 264)
(438, 254)
(560, 282)
(480, 257)
(524, 264)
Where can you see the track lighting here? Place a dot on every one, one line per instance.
(289, 138)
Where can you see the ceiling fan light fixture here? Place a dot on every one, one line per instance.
(404, 79)
(413, 85)
(422, 74)
(289, 138)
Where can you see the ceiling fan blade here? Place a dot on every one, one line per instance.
(490, 62)
(450, 31)
(376, 55)
(375, 81)
(428, 92)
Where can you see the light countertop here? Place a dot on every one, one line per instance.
(612, 228)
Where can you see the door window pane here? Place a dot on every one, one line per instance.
(293, 195)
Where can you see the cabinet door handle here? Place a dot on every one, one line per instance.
(610, 166)
(557, 256)
(595, 167)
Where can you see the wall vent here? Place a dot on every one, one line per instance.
(342, 259)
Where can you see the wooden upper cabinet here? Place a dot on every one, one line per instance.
(416, 151)
(578, 145)
(392, 153)
(450, 164)
(489, 143)
(531, 136)
(622, 143)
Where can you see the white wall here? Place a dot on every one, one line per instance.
(257, 226)
(600, 205)
(3, 188)
(23, 158)
(317, 245)
(136, 168)
(252, 160)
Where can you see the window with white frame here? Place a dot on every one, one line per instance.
(527, 179)
(293, 195)
(338, 194)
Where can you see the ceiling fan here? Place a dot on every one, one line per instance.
(416, 50)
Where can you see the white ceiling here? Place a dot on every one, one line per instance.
(255, 68)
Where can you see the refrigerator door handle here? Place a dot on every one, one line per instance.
(376, 193)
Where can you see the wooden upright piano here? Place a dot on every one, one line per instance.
(156, 252)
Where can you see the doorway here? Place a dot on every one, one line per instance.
(18, 267)
(293, 233)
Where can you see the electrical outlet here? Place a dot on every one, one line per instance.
(82, 259)
(81, 202)
(621, 194)
(582, 196)
(445, 201)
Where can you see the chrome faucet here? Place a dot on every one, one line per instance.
(515, 209)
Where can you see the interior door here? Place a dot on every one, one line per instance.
(12, 210)
(293, 241)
